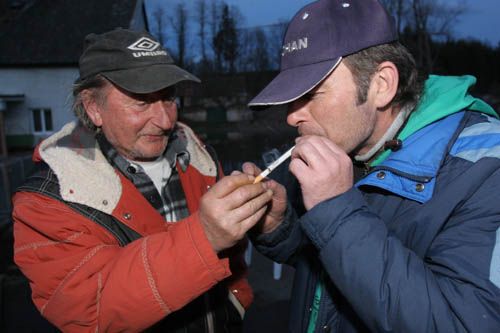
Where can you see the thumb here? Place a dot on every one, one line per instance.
(250, 168)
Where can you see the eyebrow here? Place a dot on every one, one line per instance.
(157, 95)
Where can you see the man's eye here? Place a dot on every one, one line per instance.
(310, 96)
(140, 105)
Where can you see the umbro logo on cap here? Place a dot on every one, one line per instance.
(145, 47)
(144, 44)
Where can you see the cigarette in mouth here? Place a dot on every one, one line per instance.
(273, 165)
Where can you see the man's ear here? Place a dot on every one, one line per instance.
(91, 107)
(386, 81)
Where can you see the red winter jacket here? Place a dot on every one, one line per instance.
(82, 280)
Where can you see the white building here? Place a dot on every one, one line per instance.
(40, 43)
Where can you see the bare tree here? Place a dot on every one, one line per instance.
(179, 25)
(276, 35)
(201, 19)
(246, 46)
(398, 9)
(225, 41)
(260, 55)
(253, 50)
(214, 24)
(425, 20)
(431, 20)
(159, 22)
(421, 11)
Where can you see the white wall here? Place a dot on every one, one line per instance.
(42, 88)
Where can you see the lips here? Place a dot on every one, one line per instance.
(154, 137)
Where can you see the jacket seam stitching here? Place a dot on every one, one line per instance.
(37, 245)
(71, 273)
(151, 281)
(98, 300)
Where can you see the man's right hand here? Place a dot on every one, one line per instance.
(231, 207)
(277, 207)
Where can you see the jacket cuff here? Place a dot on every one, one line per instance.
(219, 267)
(281, 232)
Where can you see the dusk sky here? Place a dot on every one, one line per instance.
(480, 21)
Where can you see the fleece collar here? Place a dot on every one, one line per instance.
(86, 177)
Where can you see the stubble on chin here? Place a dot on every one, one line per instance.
(145, 154)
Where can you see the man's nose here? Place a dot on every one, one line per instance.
(294, 113)
(164, 114)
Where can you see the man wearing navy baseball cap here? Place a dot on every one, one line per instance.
(119, 231)
(414, 245)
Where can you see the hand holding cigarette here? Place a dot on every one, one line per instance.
(274, 165)
(275, 213)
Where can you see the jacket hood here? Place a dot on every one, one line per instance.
(442, 96)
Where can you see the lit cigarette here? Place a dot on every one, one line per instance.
(273, 165)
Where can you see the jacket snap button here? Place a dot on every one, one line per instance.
(381, 175)
(420, 187)
(105, 202)
(235, 291)
(131, 169)
(326, 328)
(127, 216)
(208, 187)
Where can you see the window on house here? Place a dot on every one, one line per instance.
(42, 120)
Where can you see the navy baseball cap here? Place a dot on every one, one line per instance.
(316, 40)
(132, 60)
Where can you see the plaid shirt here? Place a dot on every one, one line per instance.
(171, 203)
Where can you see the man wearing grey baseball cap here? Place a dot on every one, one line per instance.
(414, 245)
(125, 229)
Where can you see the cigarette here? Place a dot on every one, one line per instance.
(273, 165)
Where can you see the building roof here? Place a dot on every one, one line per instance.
(51, 32)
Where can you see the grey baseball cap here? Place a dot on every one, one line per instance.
(316, 40)
(132, 60)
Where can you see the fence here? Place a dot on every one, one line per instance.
(13, 172)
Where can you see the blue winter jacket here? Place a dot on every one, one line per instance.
(415, 245)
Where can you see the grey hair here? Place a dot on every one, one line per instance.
(363, 65)
(96, 85)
